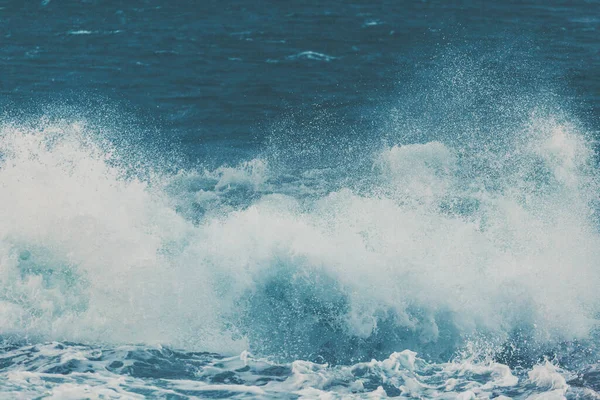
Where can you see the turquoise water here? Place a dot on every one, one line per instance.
(207, 200)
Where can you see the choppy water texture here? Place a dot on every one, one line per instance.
(299, 201)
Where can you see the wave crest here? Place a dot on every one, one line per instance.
(439, 243)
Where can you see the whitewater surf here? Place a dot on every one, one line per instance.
(299, 200)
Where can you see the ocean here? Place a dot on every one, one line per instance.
(299, 200)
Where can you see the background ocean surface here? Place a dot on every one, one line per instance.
(344, 199)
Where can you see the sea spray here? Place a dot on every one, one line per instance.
(422, 253)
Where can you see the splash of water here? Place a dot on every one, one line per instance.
(436, 244)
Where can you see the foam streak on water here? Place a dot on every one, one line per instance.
(74, 371)
(481, 259)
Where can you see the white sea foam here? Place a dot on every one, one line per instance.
(311, 55)
(122, 373)
(89, 254)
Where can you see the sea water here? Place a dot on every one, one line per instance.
(299, 200)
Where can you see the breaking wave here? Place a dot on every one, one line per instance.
(435, 245)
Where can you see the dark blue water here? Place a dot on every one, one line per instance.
(210, 72)
(360, 198)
